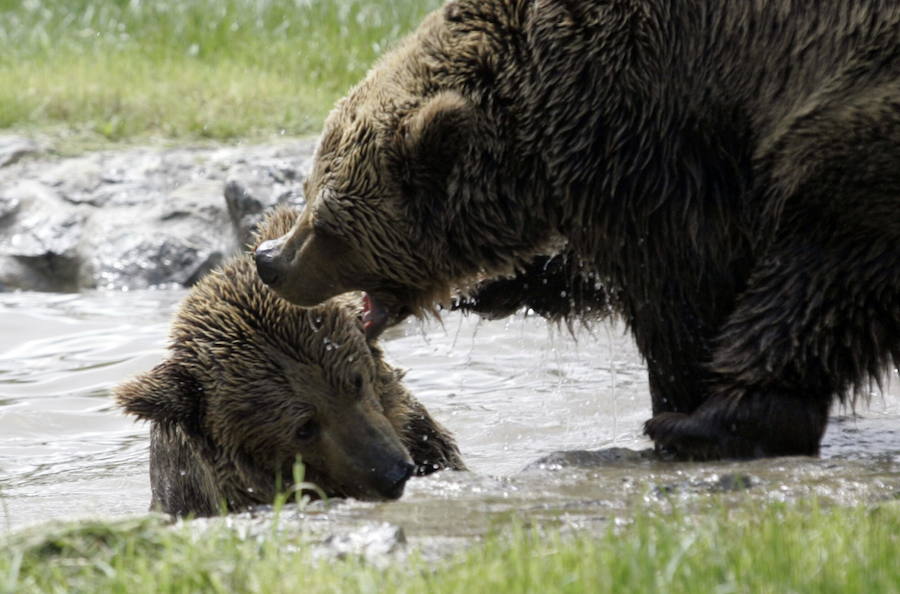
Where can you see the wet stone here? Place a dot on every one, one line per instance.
(120, 253)
(244, 208)
(137, 217)
(201, 199)
(14, 148)
(49, 272)
(249, 192)
(76, 180)
(39, 240)
(371, 542)
(590, 459)
(8, 206)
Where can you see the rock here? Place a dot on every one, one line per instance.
(13, 148)
(138, 262)
(373, 542)
(39, 244)
(176, 240)
(244, 208)
(247, 205)
(138, 217)
(76, 180)
(8, 206)
(201, 198)
(590, 459)
(251, 191)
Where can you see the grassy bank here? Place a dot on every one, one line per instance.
(774, 549)
(216, 69)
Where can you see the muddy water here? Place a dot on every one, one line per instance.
(512, 391)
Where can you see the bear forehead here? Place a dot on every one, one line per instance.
(254, 356)
(280, 381)
(242, 325)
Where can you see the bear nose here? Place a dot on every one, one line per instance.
(266, 268)
(395, 479)
(401, 472)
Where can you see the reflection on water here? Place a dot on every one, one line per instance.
(512, 392)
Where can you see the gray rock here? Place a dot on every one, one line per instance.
(39, 245)
(13, 148)
(9, 205)
(244, 208)
(590, 459)
(174, 240)
(248, 202)
(76, 180)
(138, 217)
(252, 190)
(372, 542)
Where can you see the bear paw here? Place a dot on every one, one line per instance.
(683, 437)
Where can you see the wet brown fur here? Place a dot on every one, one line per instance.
(727, 171)
(247, 371)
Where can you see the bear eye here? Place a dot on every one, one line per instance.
(358, 382)
(307, 430)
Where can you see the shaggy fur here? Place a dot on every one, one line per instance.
(727, 170)
(252, 382)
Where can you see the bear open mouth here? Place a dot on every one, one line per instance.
(375, 317)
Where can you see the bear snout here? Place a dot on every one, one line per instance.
(390, 483)
(267, 257)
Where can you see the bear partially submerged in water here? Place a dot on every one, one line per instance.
(251, 382)
(726, 172)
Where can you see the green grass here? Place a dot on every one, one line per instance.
(188, 69)
(776, 548)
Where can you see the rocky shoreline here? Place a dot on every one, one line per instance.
(138, 217)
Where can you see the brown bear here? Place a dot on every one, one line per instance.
(726, 173)
(251, 382)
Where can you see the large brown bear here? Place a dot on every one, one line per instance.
(726, 171)
(252, 382)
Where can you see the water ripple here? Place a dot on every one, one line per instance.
(512, 392)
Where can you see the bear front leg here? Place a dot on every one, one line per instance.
(430, 445)
(818, 321)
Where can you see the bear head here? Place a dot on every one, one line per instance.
(253, 382)
(377, 216)
(419, 180)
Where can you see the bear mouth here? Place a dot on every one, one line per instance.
(375, 316)
(378, 315)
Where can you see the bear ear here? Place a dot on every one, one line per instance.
(167, 394)
(434, 138)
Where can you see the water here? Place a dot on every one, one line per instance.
(511, 391)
